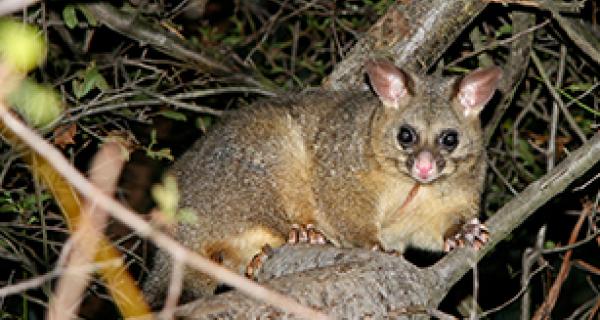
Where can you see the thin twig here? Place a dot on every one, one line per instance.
(40, 280)
(543, 312)
(587, 267)
(134, 27)
(551, 153)
(498, 43)
(7, 7)
(485, 314)
(583, 186)
(573, 245)
(556, 96)
(175, 287)
(474, 303)
(530, 256)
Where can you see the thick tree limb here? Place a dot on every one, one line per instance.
(414, 33)
(514, 69)
(346, 283)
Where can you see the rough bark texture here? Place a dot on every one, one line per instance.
(346, 283)
(413, 33)
(514, 69)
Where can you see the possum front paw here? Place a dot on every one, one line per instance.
(305, 234)
(379, 248)
(473, 233)
(258, 260)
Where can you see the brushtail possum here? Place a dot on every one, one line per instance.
(401, 165)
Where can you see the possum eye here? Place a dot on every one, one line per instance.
(407, 136)
(448, 139)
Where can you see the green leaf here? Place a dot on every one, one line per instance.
(505, 29)
(91, 79)
(88, 16)
(166, 195)
(70, 16)
(29, 201)
(232, 40)
(38, 103)
(77, 88)
(458, 69)
(164, 153)
(579, 86)
(204, 122)
(187, 215)
(9, 207)
(525, 153)
(174, 115)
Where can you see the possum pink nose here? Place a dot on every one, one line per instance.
(424, 168)
(424, 164)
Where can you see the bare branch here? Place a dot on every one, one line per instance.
(510, 216)
(7, 7)
(134, 27)
(543, 312)
(348, 283)
(105, 171)
(413, 33)
(514, 69)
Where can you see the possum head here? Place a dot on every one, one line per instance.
(425, 126)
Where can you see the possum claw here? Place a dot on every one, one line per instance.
(258, 260)
(473, 233)
(305, 234)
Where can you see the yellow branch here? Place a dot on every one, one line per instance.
(119, 282)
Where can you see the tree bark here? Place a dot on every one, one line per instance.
(413, 33)
(347, 283)
(452, 267)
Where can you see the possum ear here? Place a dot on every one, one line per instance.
(389, 82)
(476, 89)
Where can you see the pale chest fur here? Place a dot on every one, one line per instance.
(420, 217)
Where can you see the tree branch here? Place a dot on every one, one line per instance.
(514, 69)
(414, 33)
(452, 267)
(348, 283)
(133, 26)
